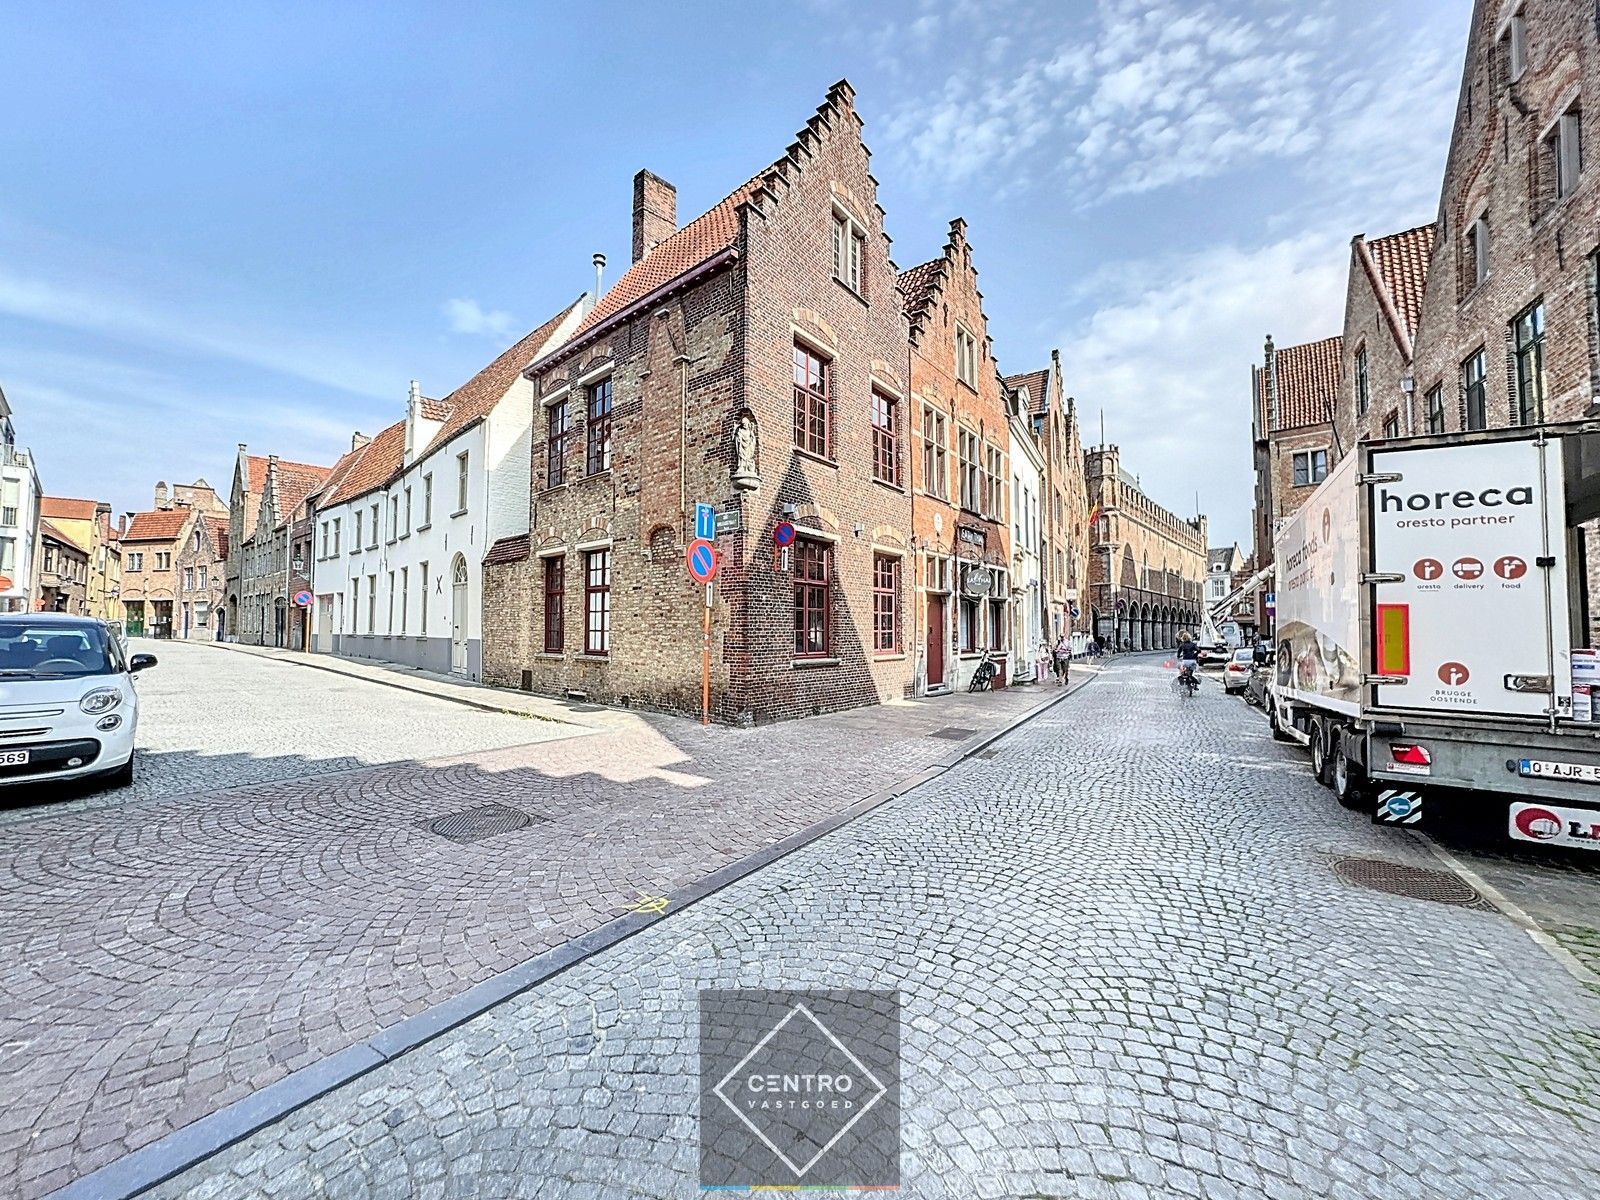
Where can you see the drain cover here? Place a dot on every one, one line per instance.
(953, 733)
(1416, 883)
(486, 821)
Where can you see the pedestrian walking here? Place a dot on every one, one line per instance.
(1063, 658)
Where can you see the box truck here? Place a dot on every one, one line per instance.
(1430, 597)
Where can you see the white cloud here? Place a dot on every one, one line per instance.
(468, 316)
(143, 319)
(1146, 94)
(1167, 357)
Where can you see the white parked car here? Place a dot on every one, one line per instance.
(68, 708)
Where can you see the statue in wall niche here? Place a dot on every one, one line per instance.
(746, 447)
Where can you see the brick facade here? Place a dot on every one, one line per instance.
(703, 330)
(958, 473)
(1147, 567)
(1383, 300)
(201, 571)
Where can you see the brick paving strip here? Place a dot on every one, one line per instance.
(179, 976)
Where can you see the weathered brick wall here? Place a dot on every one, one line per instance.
(1539, 247)
(681, 374)
(788, 255)
(953, 298)
(1366, 327)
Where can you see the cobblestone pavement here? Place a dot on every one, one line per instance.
(165, 955)
(213, 718)
(1127, 969)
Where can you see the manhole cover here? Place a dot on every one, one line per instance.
(953, 733)
(1416, 883)
(486, 821)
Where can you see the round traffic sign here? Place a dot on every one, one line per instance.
(702, 558)
(783, 534)
(302, 599)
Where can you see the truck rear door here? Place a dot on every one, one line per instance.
(1473, 617)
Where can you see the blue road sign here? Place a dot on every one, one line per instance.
(705, 521)
(702, 559)
(783, 534)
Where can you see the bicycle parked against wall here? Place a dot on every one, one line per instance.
(983, 675)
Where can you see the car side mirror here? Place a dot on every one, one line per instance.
(140, 661)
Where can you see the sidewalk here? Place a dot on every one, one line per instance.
(299, 931)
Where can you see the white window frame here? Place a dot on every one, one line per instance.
(849, 248)
(966, 356)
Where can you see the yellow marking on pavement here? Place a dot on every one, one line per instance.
(648, 903)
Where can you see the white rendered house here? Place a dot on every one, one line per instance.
(1029, 600)
(400, 534)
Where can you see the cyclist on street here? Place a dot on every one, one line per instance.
(1188, 655)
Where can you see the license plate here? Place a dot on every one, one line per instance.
(13, 758)
(1540, 768)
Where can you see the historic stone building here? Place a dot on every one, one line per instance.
(1147, 567)
(1293, 394)
(150, 545)
(753, 360)
(1383, 305)
(1054, 417)
(958, 473)
(201, 570)
(268, 495)
(1508, 327)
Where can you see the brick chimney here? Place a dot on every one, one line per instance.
(655, 212)
(358, 440)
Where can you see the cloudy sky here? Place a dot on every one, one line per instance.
(253, 223)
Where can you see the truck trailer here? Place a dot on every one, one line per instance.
(1433, 630)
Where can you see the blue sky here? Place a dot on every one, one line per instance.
(253, 223)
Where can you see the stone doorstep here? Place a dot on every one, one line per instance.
(187, 1147)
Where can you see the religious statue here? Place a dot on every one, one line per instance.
(746, 446)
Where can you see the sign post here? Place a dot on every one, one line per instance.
(702, 559)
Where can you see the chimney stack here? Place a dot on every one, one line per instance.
(655, 212)
(599, 278)
(358, 440)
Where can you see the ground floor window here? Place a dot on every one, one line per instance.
(813, 632)
(885, 604)
(997, 625)
(555, 599)
(968, 625)
(597, 602)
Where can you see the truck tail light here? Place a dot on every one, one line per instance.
(1410, 752)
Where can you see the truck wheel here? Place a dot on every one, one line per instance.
(1319, 752)
(1349, 780)
(1278, 735)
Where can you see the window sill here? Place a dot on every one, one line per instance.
(460, 512)
(551, 656)
(802, 664)
(897, 656)
(423, 528)
(815, 457)
(403, 536)
(892, 486)
(850, 291)
(591, 476)
(554, 487)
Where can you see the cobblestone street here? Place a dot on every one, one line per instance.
(170, 950)
(1127, 967)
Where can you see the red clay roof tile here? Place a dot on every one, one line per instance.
(1308, 384)
(161, 525)
(1402, 261)
(64, 508)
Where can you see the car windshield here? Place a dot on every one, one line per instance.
(1243, 656)
(56, 650)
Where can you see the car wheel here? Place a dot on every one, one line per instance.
(122, 776)
(1349, 781)
(1319, 751)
